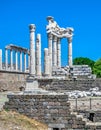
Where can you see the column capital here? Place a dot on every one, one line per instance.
(32, 27)
(69, 39)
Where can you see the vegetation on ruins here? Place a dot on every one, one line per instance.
(95, 65)
(83, 61)
(97, 68)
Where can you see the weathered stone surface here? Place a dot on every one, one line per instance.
(55, 113)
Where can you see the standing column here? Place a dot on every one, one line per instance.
(6, 58)
(55, 51)
(16, 61)
(0, 59)
(70, 51)
(28, 62)
(24, 62)
(58, 53)
(46, 62)
(11, 59)
(50, 51)
(38, 55)
(32, 49)
(21, 61)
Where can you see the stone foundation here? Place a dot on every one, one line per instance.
(69, 85)
(13, 81)
(51, 109)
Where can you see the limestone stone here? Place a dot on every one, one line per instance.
(32, 49)
(38, 55)
(46, 62)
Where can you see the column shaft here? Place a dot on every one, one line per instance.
(50, 51)
(0, 59)
(21, 61)
(28, 62)
(55, 51)
(32, 49)
(70, 51)
(24, 62)
(46, 62)
(38, 55)
(58, 53)
(11, 59)
(16, 61)
(6, 59)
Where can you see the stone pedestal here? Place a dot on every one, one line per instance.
(31, 84)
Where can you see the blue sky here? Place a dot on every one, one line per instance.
(83, 15)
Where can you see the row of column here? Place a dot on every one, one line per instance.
(35, 52)
(53, 53)
(16, 61)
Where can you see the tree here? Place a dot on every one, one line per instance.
(84, 61)
(97, 68)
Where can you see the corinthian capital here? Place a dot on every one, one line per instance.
(32, 27)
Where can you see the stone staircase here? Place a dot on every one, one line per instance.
(84, 122)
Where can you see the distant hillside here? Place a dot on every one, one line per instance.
(13, 121)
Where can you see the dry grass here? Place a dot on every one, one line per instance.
(14, 121)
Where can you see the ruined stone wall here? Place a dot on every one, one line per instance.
(86, 114)
(61, 85)
(53, 110)
(11, 81)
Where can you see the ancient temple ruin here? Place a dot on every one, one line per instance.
(30, 59)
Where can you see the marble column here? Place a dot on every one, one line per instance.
(16, 61)
(6, 59)
(32, 49)
(0, 59)
(50, 37)
(28, 62)
(58, 52)
(20, 61)
(55, 51)
(70, 51)
(46, 62)
(38, 55)
(11, 59)
(24, 62)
